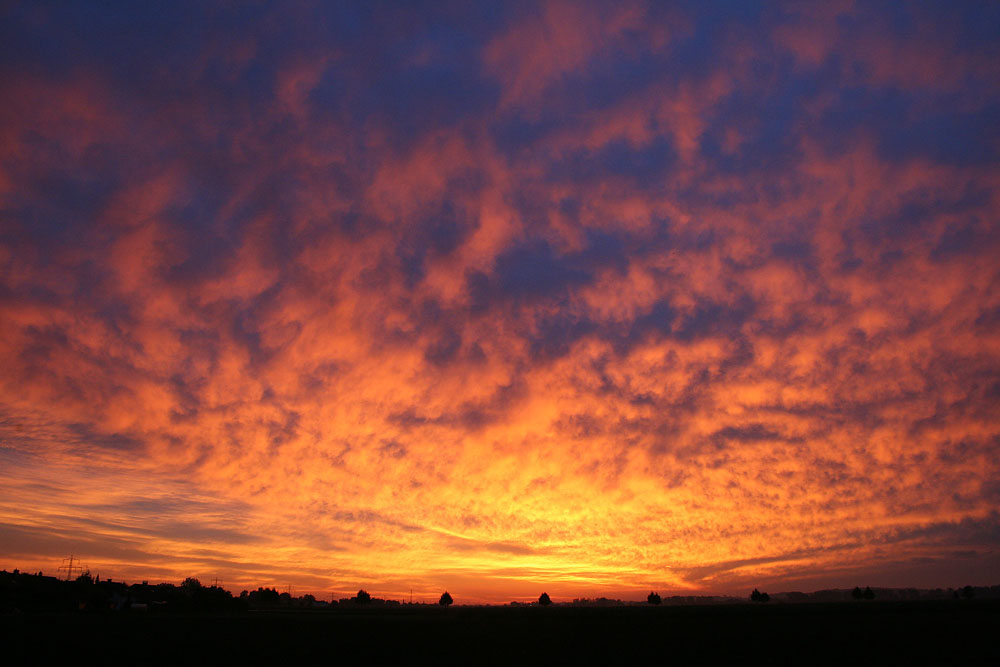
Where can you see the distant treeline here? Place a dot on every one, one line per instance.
(831, 595)
(21, 591)
(873, 593)
(36, 592)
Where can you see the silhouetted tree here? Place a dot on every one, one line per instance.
(869, 594)
(445, 599)
(757, 596)
(544, 599)
(191, 584)
(264, 597)
(857, 593)
(968, 592)
(363, 597)
(653, 598)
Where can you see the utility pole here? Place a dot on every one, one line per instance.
(69, 567)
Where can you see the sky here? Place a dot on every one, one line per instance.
(497, 298)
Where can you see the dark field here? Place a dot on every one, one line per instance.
(940, 632)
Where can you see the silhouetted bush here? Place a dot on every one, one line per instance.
(653, 598)
(757, 596)
(968, 592)
(869, 594)
(445, 599)
(544, 599)
(857, 593)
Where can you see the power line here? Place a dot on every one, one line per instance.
(69, 567)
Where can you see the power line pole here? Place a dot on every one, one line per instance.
(69, 567)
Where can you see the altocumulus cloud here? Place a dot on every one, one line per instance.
(615, 298)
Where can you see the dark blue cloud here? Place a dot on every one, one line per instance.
(535, 270)
(644, 167)
(961, 139)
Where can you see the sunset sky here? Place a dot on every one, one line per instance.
(590, 298)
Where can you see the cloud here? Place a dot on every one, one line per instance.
(560, 40)
(502, 294)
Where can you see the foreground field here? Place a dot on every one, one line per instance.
(959, 632)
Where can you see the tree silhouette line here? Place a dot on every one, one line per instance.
(36, 592)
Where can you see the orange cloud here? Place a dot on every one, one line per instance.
(696, 334)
